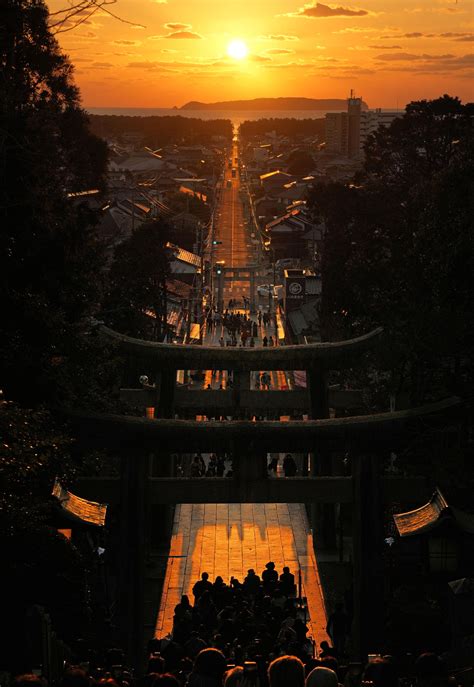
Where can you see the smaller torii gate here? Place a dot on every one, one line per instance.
(228, 274)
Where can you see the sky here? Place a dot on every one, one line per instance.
(173, 51)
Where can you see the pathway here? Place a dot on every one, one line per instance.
(228, 539)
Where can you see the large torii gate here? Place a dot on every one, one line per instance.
(137, 438)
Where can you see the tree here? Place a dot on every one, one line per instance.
(300, 163)
(136, 299)
(50, 258)
(399, 250)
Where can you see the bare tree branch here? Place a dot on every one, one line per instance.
(83, 10)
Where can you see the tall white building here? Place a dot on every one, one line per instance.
(370, 120)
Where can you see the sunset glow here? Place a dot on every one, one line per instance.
(162, 54)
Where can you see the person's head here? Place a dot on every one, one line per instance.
(286, 569)
(205, 576)
(251, 572)
(430, 670)
(324, 645)
(166, 680)
(330, 662)
(234, 677)
(156, 664)
(28, 680)
(185, 600)
(270, 565)
(381, 673)
(74, 677)
(321, 677)
(210, 663)
(285, 671)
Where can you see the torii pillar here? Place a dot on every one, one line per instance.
(253, 299)
(323, 520)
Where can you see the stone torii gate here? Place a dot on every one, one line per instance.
(136, 439)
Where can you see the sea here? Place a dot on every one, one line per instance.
(236, 116)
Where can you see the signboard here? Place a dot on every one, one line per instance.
(294, 291)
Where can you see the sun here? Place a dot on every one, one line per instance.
(237, 49)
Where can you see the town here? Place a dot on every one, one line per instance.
(235, 365)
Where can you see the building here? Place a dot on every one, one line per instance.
(354, 107)
(336, 132)
(370, 120)
(347, 132)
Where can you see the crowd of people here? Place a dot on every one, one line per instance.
(247, 635)
(217, 466)
(221, 465)
(237, 328)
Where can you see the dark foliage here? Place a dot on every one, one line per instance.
(294, 129)
(159, 131)
(135, 302)
(399, 250)
(50, 260)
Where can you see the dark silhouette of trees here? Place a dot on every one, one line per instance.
(159, 131)
(50, 274)
(300, 163)
(50, 259)
(294, 129)
(399, 250)
(136, 301)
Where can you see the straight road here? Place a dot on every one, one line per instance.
(228, 539)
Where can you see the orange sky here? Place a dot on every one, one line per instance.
(389, 51)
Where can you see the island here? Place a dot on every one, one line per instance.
(273, 104)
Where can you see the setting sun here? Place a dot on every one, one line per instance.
(237, 49)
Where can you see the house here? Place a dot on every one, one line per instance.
(183, 263)
(272, 181)
(287, 233)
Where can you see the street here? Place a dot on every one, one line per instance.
(228, 539)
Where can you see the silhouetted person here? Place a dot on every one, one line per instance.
(251, 583)
(269, 577)
(208, 670)
(287, 582)
(202, 586)
(289, 466)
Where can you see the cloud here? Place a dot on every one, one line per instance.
(358, 29)
(278, 37)
(402, 56)
(259, 58)
(177, 26)
(184, 35)
(418, 34)
(430, 64)
(102, 65)
(385, 47)
(180, 66)
(465, 39)
(127, 42)
(278, 51)
(319, 11)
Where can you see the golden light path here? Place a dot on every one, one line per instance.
(227, 540)
(237, 49)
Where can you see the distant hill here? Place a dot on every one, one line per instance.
(272, 104)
